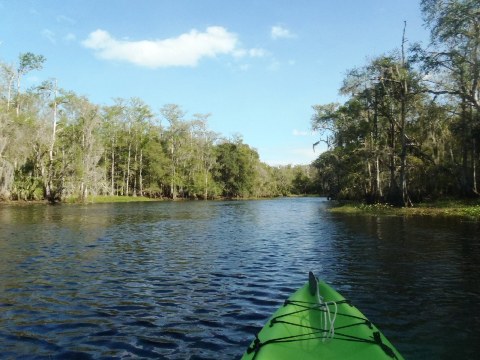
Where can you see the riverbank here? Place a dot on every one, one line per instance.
(445, 208)
(128, 199)
(111, 199)
(89, 200)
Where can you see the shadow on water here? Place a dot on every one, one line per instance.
(198, 279)
(417, 278)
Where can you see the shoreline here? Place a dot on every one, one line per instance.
(467, 209)
(107, 199)
(89, 200)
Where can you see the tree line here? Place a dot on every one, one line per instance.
(57, 145)
(409, 129)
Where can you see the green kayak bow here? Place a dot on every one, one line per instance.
(316, 322)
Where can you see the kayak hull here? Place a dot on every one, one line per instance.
(302, 329)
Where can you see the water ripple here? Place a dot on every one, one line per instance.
(197, 280)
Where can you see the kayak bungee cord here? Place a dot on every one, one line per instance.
(326, 330)
(328, 323)
(319, 333)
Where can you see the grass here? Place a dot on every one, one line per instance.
(443, 208)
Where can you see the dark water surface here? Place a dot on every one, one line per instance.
(196, 280)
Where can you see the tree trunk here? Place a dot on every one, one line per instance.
(378, 185)
(474, 167)
(127, 180)
(140, 176)
(9, 95)
(206, 185)
(402, 76)
(393, 193)
(403, 152)
(464, 178)
(172, 185)
(49, 190)
(379, 191)
(18, 93)
(112, 169)
(370, 190)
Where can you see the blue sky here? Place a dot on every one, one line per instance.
(257, 66)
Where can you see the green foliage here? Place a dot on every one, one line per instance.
(473, 211)
(29, 61)
(444, 208)
(409, 130)
(98, 199)
(235, 169)
(27, 188)
(375, 208)
(302, 183)
(59, 146)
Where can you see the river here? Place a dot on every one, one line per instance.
(197, 280)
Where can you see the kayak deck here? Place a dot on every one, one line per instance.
(316, 322)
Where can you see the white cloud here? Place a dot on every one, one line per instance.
(296, 132)
(185, 50)
(257, 52)
(279, 32)
(49, 35)
(69, 37)
(62, 19)
(240, 53)
(289, 156)
(274, 65)
(253, 53)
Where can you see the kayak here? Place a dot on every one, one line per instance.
(316, 322)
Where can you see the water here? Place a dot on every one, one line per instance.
(197, 280)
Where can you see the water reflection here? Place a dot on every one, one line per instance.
(198, 279)
(426, 271)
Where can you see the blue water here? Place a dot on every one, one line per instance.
(197, 280)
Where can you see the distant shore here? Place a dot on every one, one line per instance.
(447, 208)
(469, 209)
(104, 199)
(89, 200)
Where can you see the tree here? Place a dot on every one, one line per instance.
(236, 164)
(454, 67)
(175, 141)
(373, 127)
(59, 145)
(205, 158)
(111, 128)
(140, 116)
(156, 165)
(8, 74)
(81, 148)
(27, 62)
(301, 181)
(50, 89)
